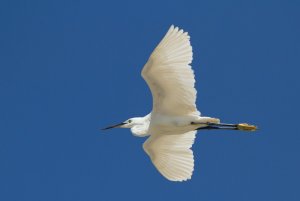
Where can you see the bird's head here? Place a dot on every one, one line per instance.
(129, 123)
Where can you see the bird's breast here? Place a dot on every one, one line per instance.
(171, 124)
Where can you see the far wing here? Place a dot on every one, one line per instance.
(170, 76)
(172, 155)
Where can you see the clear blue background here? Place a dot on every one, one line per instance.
(68, 68)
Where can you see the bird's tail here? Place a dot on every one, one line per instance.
(208, 120)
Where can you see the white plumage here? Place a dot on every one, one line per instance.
(174, 119)
(172, 154)
(170, 76)
(171, 80)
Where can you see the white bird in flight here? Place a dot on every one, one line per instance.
(174, 120)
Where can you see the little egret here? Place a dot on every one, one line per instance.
(174, 119)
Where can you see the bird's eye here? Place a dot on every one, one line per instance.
(129, 121)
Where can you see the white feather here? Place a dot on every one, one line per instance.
(172, 155)
(170, 76)
(171, 80)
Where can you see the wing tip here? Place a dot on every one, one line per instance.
(181, 179)
(178, 29)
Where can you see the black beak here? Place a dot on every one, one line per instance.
(114, 126)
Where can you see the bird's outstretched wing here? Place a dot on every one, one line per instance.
(170, 76)
(172, 155)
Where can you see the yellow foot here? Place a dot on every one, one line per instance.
(246, 127)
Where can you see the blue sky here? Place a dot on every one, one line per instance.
(68, 68)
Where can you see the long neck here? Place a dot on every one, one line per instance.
(141, 129)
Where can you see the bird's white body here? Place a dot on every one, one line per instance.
(174, 119)
(168, 125)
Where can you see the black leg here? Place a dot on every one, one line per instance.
(210, 127)
(213, 124)
(241, 126)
